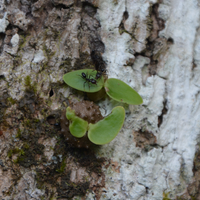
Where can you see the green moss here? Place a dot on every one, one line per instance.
(22, 41)
(11, 100)
(36, 120)
(49, 102)
(46, 49)
(165, 196)
(49, 54)
(26, 146)
(51, 147)
(29, 86)
(15, 151)
(27, 81)
(17, 60)
(19, 151)
(28, 122)
(10, 152)
(75, 189)
(62, 167)
(87, 178)
(18, 135)
(44, 112)
(19, 159)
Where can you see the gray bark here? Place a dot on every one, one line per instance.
(151, 45)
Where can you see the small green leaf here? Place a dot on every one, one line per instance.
(78, 126)
(74, 79)
(107, 129)
(120, 91)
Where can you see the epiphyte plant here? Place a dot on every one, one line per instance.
(115, 88)
(106, 129)
(102, 132)
(77, 80)
(78, 126)
(120, 91)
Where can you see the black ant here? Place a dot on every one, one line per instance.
(88, 80)
(99, 74)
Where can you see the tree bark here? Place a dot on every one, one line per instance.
(153, 46)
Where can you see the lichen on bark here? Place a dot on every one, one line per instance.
(151, 45)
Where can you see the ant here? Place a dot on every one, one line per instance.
(88, 80)
(99, 74)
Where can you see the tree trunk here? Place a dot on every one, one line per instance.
(153, 46)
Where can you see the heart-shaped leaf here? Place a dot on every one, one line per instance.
(107, 129)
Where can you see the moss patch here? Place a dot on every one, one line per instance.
(68, 189)
(62, 167)
(58, 175)
(29, 87)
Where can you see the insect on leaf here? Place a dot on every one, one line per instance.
(75, 80)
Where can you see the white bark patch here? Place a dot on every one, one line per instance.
(168, 167)
(49, 147)
(15, 40)
(3, 23)
(39, 57)
(27, 188)
(14, 45)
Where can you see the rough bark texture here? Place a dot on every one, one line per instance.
(151, 45)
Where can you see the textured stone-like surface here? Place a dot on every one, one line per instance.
(152, 46)
(164, 167)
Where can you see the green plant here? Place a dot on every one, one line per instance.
(120, 91)
(100, 133)
(75, 80)
(78, 126)
(62, 167)
(115, 88)
(165, 196)
(18, 135)
(106, 129)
